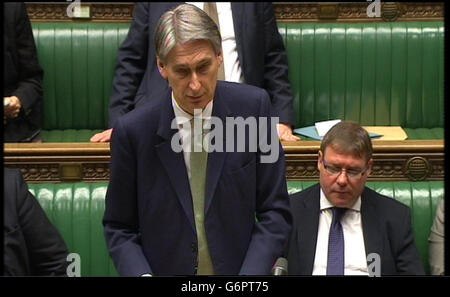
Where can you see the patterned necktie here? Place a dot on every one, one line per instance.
(198, 163)
(211, 10)
(335, 263)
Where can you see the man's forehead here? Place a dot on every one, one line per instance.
(341, 153)
(191, 52)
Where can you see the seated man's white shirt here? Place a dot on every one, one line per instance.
(355, 262)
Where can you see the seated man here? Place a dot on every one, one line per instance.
(341, 226)
(172, 211)
(32, 245)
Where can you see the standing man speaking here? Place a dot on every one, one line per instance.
(196, 211)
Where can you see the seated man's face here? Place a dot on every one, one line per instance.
(339, 187)
(191, 69)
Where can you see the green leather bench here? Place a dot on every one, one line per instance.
(379, 74)
(76, 209)
(78, 61)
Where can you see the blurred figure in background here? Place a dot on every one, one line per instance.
(436, 242)
(22, 77)
(32, 245)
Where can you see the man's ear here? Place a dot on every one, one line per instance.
(319, 159)
(369, 165)
(161, 68)
(220, 57)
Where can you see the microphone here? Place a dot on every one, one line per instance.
(280, 267)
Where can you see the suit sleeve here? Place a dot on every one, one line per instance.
(408, 261)
(436, 242)
(121, 214)
(274, 221)
(47, 249)
(131, 65)
(276, 80)
(29, 89)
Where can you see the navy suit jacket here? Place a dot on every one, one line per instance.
(386, 227)
(149, 221)
(260, 49)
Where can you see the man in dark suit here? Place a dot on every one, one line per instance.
(254, 54)
(32, 245)
(22, 77)
(341, 226)
(166, 216)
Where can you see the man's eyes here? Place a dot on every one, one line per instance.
(201, 69)
(338, 169)
(182, 72)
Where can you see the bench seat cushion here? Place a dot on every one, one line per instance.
(68, 135)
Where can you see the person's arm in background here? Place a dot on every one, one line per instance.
(30, 74)
(46, 249)
(276, 80)
(131, 65)
(436, 242)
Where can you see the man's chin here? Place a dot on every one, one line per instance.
(341, 199)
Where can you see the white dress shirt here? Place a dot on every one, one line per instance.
(232, 67)
(355, 262)
(184, 128)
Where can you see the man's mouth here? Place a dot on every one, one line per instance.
(194, 97)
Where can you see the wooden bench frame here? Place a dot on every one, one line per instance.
(412, 160)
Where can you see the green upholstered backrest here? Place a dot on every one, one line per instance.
(378, 74)
(76, 209)
(78, 61)
(421, 197)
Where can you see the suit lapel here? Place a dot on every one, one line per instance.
(174, 162)
(370, 224)
(216, 159)
(307, 236)
(237, 10)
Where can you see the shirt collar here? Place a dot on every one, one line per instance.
(325, 203)
(183, 117)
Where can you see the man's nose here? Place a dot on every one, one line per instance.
(194, 84)
(342, 178)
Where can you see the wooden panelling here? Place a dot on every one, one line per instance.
(60, 162)
(284, 12)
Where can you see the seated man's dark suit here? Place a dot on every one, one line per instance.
(149, 221)
(386, 227)
(32, 245)
(259, 45)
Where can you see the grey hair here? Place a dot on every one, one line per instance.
(183, 24)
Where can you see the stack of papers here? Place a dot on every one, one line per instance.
(321, 128)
